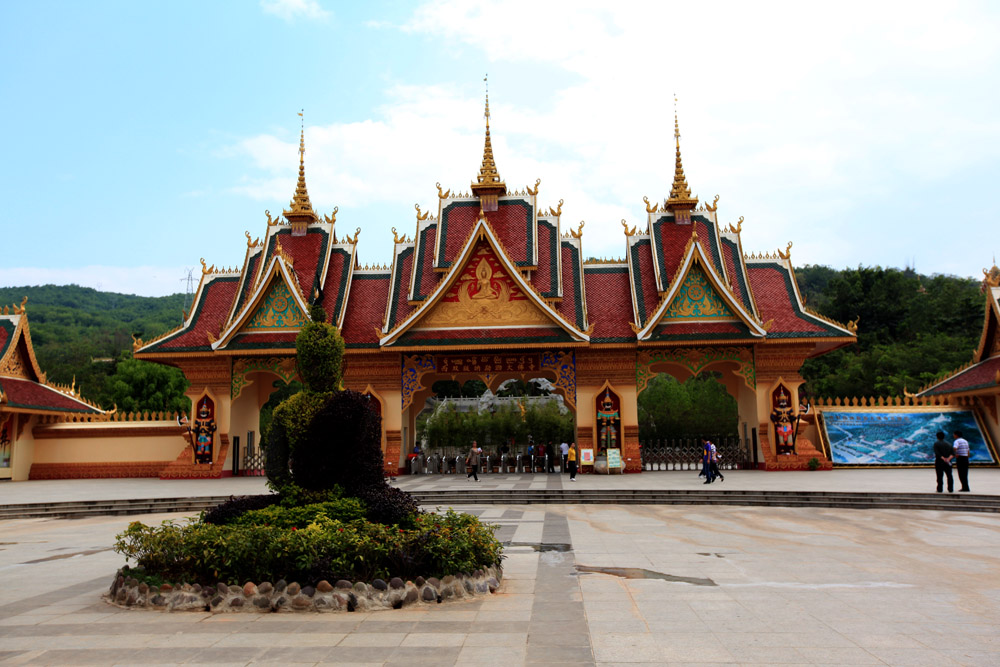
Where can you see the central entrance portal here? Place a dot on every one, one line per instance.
(420, 372)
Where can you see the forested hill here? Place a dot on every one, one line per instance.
(79, 331)
(912, 328)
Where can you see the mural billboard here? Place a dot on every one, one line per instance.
(869, 437)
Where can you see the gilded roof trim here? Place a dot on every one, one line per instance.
(482, 229)
(277, 270)
(696, 253)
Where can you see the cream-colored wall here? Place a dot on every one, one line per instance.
(105, 442)
(23, 453)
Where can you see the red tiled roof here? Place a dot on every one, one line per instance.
(457, 220)
(305, 252)
(335, 285)
(740, 292)
(671, 240)
(772, 290)
(641, 260)
(365, 309)
(510, 221)
(401, 308)
(609, 304)
(545, 279)
(248, 279)
(427, 278)
(210, 313)
(571, 307)
(29, 395)
(6, 335)
(980, 376)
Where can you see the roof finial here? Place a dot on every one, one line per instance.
(488, 186)
(301, 212)
(680, 202)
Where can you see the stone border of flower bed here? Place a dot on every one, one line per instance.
(128, 592)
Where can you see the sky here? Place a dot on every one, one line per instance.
(139, 137)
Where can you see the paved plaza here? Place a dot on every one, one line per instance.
(584, 585)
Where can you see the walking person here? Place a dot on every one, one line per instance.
(472, 461)
(571, 461)
(563, 450)
(943, 454)
(706, 460)
(961, 449)
(715, 464)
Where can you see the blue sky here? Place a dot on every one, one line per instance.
(140, 137)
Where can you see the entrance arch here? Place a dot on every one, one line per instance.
(253, 382)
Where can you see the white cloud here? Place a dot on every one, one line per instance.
(803, 117)
(289, 10)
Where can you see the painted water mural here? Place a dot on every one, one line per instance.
(896, 438)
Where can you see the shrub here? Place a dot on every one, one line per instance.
(229, 510)
(813, 463)
(325, 549)
(344, 509)
(289, 427)
(319, 350)
(389, 505)
(340, 445)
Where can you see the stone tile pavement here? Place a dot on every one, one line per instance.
(680, 585)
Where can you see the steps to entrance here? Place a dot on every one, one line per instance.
(446, 498)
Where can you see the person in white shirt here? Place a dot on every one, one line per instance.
(564, 450)
(961, 446)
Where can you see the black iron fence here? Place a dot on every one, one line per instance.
(685, 453)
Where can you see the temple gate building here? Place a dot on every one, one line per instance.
(492, 287)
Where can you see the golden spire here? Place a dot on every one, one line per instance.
(680, 202)
(301, 212)
(488, 186)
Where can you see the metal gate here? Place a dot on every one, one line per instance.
(684, 453)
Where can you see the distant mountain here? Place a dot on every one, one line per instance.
(79, 331)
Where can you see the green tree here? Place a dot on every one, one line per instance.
(700, 405)
(140, 386)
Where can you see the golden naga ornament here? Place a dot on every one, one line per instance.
(714, 206)
(330, 219)
(788, 252)
(651, 208)
(579, 232)
(442, 194)
(421, 216)
(739, 225)
(534, 192)
(556, 212)
(628, 232)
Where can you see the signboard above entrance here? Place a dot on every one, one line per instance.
(487, 363)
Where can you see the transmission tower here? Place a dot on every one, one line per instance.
(189, 294)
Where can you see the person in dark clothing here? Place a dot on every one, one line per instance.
(944, 451)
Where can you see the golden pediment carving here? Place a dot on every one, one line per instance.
(484, 295)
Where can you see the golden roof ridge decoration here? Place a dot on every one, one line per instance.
(680, 193)
(603, 260)
(714, 206)
(441, 193)
(991, 278)
(529, 191)
(300, 211)
(251, 243)
(788, 252)
(579, 230)
(423, 215)
(488, 185)
(15, 309)
(280, 252)
(651, 208)
(738, 228)
(628, 232)
(556, 212)
(397, 238)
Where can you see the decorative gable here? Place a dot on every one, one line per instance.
(697, 299)
(484, 295)
(278, 310)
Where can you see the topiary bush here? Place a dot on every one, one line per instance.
(319, 350)
(289, 426)
(341, 445)
(389, 505)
